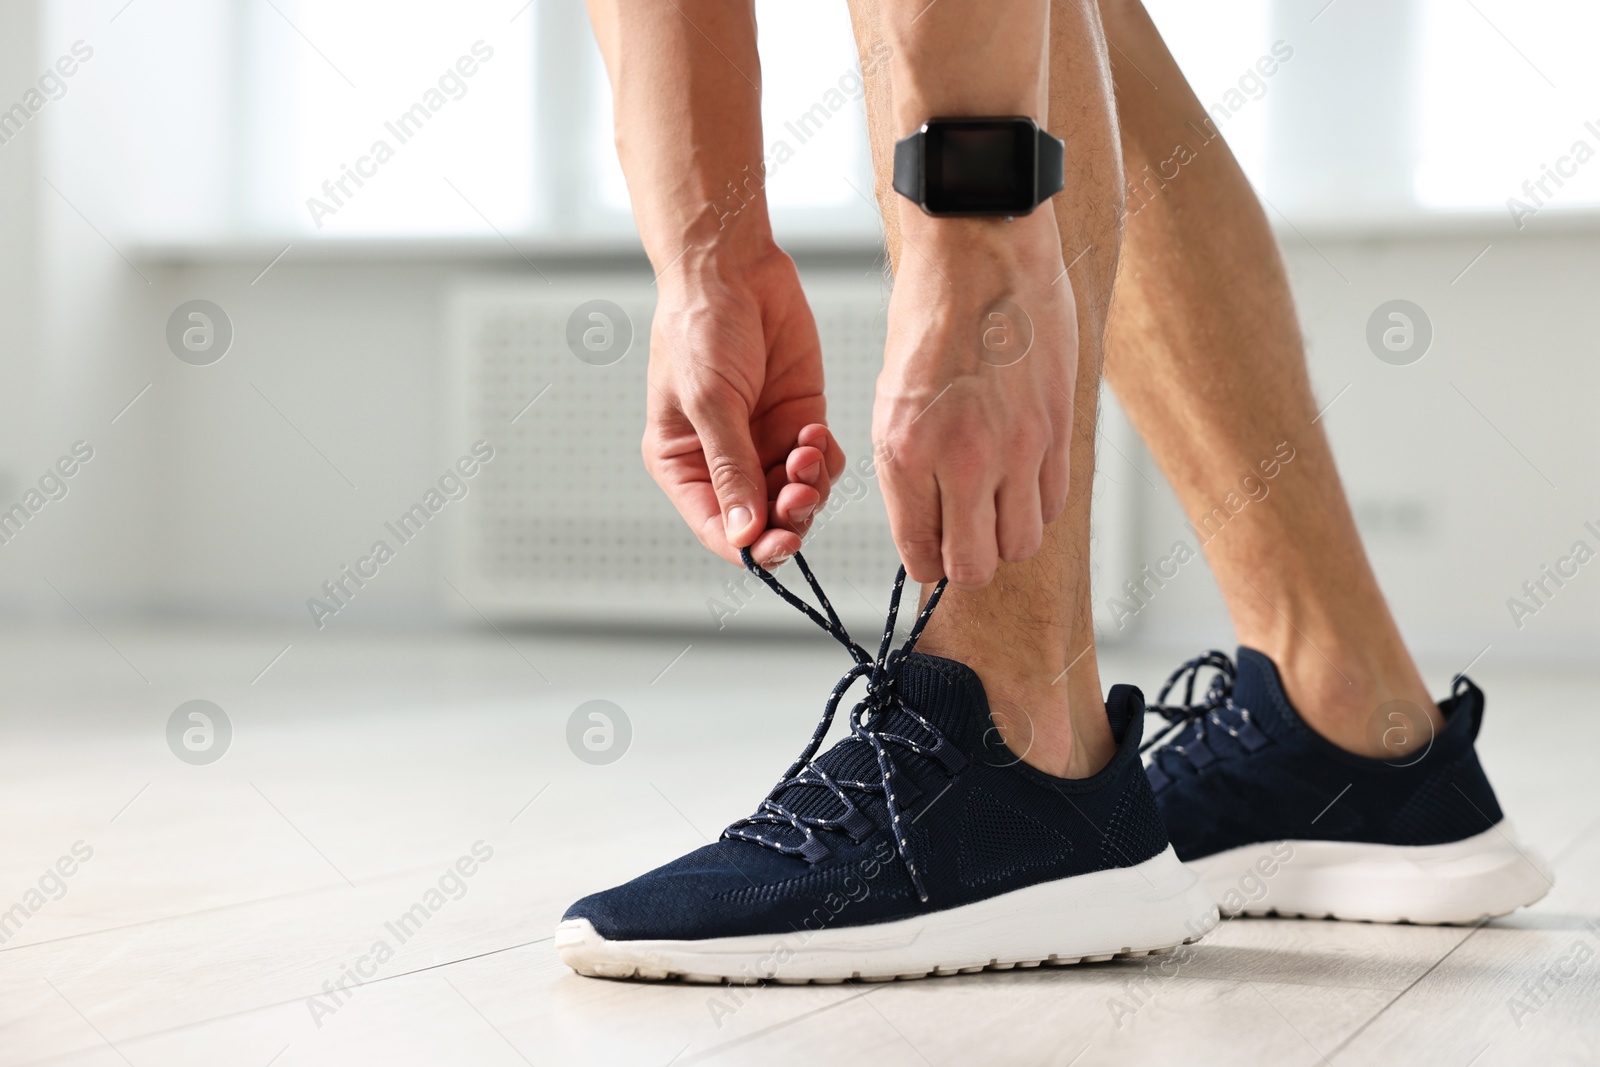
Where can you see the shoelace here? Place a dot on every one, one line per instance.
(868, 721)
(1215, 710)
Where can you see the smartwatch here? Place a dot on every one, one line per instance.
(994, 167)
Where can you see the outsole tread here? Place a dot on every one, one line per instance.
(638, 973)
(1274, 913)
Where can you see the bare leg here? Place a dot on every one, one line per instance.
(1205, 352)
(1030, 634)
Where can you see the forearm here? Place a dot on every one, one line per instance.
(964, 59)
(685, 80)
(967, 59)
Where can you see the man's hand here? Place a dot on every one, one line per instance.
(974, 405)
(736, 433)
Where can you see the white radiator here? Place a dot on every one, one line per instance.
(564, 525)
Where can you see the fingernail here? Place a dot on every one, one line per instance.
(802, 514)
(738, 519)
(780, 560)
(809, 472)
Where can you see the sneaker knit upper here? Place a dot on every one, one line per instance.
(1251, 770)
(981, 823)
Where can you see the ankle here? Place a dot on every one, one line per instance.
(1050, 734)
(1365, 702)
(1051, 718)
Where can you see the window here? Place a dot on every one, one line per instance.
(1217, 43)
(408, 117)
(819, 169)
(1508, 96)
(205, 120)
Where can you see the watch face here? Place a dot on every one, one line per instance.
(979, 166)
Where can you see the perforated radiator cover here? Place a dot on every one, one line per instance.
(565, 525)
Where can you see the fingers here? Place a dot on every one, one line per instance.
(952, 525)
(792, 493)
(1053, 480)
(803, 465)
(707, 463)
(806, 465)
(969, 546)
(800, 487)
(816, 460)
(795, 506)
(817, 436)
(774, 547)
(1019, 526)
(733, 467)
(686, 486)
(912, 496)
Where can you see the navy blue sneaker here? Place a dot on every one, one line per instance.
(919, 844)
(1279, 820)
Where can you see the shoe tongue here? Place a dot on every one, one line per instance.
(1258, 688)
(949, 695)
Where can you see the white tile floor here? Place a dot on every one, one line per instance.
(219, 898)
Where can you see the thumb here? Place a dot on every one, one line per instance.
(734, 469)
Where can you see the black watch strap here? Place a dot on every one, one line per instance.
(908, 167)
(1052, 165)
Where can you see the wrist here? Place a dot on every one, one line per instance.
(712, 247)
(1032, 238)
(703, 272)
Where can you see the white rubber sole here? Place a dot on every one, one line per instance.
(1480, 877)
(1131, 911)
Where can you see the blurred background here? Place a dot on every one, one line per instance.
(354, 344)
(327, 555)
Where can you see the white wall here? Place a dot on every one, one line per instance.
(20, 366)
(1454, 503)
(211, 502)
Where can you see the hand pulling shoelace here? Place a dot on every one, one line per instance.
(867, 722)
(1216, 708)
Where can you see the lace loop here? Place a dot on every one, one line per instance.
(1218, 693)
(1190, 720)
(868, 724)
